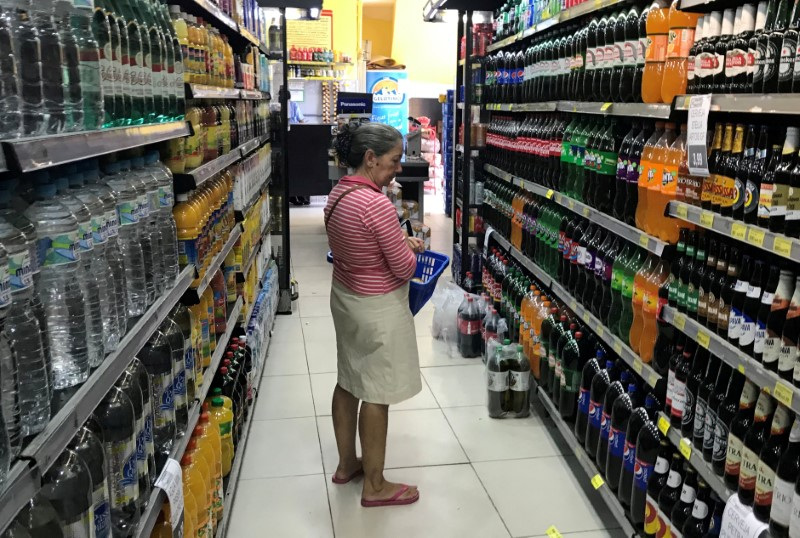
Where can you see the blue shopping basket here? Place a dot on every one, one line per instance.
(430, 266)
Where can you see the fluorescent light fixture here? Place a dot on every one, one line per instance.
(313, 13)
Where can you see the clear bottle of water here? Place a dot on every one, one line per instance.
(91, 177)
(138, 368)
(99, 266)
(92, 86)
(39, 518)
(90, 449)
(183, 318)
(134, 36)
(179, 395)
(24, 334)
(129, 243)
(59, 289)
(68, 487)
(94, 284)
(165, 220)
(9, 371)
(107, 38)
(52, 58)
(156, 355)
(140, 207)
(10, 115)
(73, 92)
(129, 383)
(146, 184)
(28, 62)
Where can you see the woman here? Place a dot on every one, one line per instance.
(373, 261)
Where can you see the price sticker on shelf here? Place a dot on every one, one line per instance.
(597, 481)
(703, 338)
(549, 194)
(679, 321)
(605, 107)
(685, 446)
(637, 366)
(663, 424)
(571, 204)
(755, 237)
(573, 305)
(653, 379)
(783, 393)
(600, 331)
(644, 240)
(782, 246)
(682, 212)
(586, 211)
(697, 135)
(617, 347)
(707, 219)
(552, 532)
(740, 368)
(585, 317)
(738, 231)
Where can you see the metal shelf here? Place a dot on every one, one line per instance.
(473, 152)
(36, 153)
(49, 444)
(220, 16)
(779, 244)
(193, 179)
(781, 389)
(769, 103)
(615, 508)
(645, 371)
(252, 95)
(619, 228)
(319, 64)
(245, 33)
(658, 111)
(544, 106)
(21, 483)
(203, 91)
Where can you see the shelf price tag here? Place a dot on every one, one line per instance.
(755, 237)
(549, 194)
(703, 339)
(783, 393)
(644, 240)
(740, 368)
(685, 446)
(707, 219)
(682, 212)
(696, 137)
(738, 231)
(600, 331)
(679, 321)
(586, 211)
(585, 317)
(653, 379)
(605, 107)
(571, 204)
(663, 425)
(552, 532)
(597, 481)
(782, 246)
(573, 305)
(637, 366)
(617, 347)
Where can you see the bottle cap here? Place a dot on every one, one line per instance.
(223, 371)
(191, 446)
(506, 342)
(216, 392)
(217, 402)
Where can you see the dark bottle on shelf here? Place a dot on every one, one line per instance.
(694, 379)
(618, 93)
(599, 55)
(742, 172)
(566, 339)
(593, 258)
(765, 20)
(674, 360)
(789, 353)
(792, 221)
(725, 413)
(773, 49)
(634, 170)
(784, 485)
(780, 189)
(752, 443)
(678, 402)
(749, 308)
(715, 521)
(721, 171)
(737, 297)
(777, 319)
(618, 206)
(697, 523)
(637, 421)
(685, 271)
(644, 513)
(614, 391)
(574, 358)
(720, 84)
(497, 371)
(696, 278)
(730, 192)
(621, 411)
(715, 400)
(670, 493)
(606, 164)
(640, 54)
(787, 52)
(701, 407)
(548, 327)
(706, 60)
(707, 189)
(590, 369)
(608, 265)
(758, 167)
(630, 59)
(590, 44)
(683, 508)
(768, 460)
(556, 336)
(597, 392)
(736, 70)
(718, 280)
(727, 290)
(765, 193)
(765, 304)
(705, 282)
(611, 57)
(693, 61)
(740, 425)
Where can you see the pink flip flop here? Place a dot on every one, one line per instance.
(355, 474)
(395, 500)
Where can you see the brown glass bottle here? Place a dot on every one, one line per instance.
(707, 191)
(739, 427)
(751, 447)
(768, 460)
(721, 179)
(705, 282)
(722, 427)
(742, 173)
(777, 319)
(758, 167)
(727, 291)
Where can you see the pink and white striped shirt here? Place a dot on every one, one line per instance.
(370, 254)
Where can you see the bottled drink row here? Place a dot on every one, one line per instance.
(516, 16)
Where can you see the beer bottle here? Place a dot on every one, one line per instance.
(674, 361)
(742, 172)
(730, 193)
(727, 288)
(683, 508)
(725, 413)
(715, 291)
(788, 52)
(675, 270)
(780, 188)
(697, 522)
(721, 179)
(707, 53)
(654, 487)
(740, 425)
(789, 353)
(695, 377)
(721, 50)
(758, 166)
(695, 279)
(762, 45)
(678, 406)
(736, 315)
(767, 189)
(749, 309)
(701, 407)
(715, 522)
(670, 493)
(686, 267)
(736, 56)
(707, 190)
(792, 222)
(705, 282)
(783, 491)
(715, 401)
(757, 349)
(768, 462)
(777, 319)
(751, 446)
(773, 50)
(693, 61)
(754, 66)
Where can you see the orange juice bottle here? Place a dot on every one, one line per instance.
(194, 482)
(636, 301)
(668, 228)
(682, 31)
(650, 308)
(657, 27)
(644, 166)
(188, 232)
(199, 460)
(538, 348)
(655, 175)
(224, 419)
(190, 527)
(211, 433)
(163, 527)
(205, 448)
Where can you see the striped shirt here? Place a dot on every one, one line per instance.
(370, 254)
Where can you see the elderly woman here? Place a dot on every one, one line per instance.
(373, 261)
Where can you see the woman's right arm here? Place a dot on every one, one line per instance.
(381, 218)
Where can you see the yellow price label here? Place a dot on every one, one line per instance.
(782, 246)
(653, 379)
(549, 194)
(783, 393)
(755, 237)
(586, 317)
(707, 219)
(605, 107)
(586, 211)
(573, 305)
(682, 212)
(600, 331)
(637, 366)
(597, 481)
(663, 425)
(685, 447)
(687, 101)
(552, 532)
(740, 368)
(571, 203)
(617, 347)
(738, 231)
(679, 321)
(644, 240)
(703, 338)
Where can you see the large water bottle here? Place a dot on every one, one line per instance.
(183, 318)
(99, 266)
(39, 518)
(92, 87)
(116, 419)
(73, 92)
(59, 289)
(68, 487)
(140, 371)
(95, 292)
(91, 177)
(107, 62)
(9, 371)
(129, 383)
(52, 66)
(166, 222)
(150, 211)
(24, 334)
(28, 63)
(129, 244)
(134, 32)
(156, 355)
(89, 448)
(5, 450)
(10, 116)
(140, 207)
(176, 343)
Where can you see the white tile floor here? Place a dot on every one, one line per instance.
(478, 477)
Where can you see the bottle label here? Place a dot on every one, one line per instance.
(680, 42)
(651, 517)
(772, 347)
(85, 236)
(678, 399)
(616, 442)
(788, 354)
(179, 385)
(19, 270)
(749, 469)
(595, 414)
(605, 426)
(735, 320)
(497, 381)
(57, 249)
(720, 450)
(699, 510)
(656, 48)
(794, 524)
(583, 401)
(765, 482)
(520, 381)
(787, 58)
(782, 496)
(469, 327)
(793, 204)
(708, 431)
(699, 419)
(670, 386)
(101, 511)
(688, 408)
(733, 457)
(642, 471)
(629, 456)
(735, 62)
(164, 410)
(629, 50)
(122, 479)
(688, 494)
(127, 213)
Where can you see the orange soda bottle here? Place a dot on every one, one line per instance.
(655, 177)
(644, 166)
(657, 27)
(638, 296)
(682, 30)
(651, 306)
(667, 228)
(193, 481)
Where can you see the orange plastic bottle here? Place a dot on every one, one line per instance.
(656, 53)
(644, 165)
(639, 280)
(193, 481)
(651, 305)
(682, 30)
(537, 347)
(668, 228)
(655, 177)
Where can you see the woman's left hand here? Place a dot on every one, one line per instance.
(416, 244)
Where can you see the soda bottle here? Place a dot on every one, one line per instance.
(636, 305)
(682, 29)
(614, 391)
(156, 355)
(651, 306)
(751, 446)
(597, 392)
(624, 159)
(785, 478)
(519, 371)
(194, 483)
(573, 359)
(768, 460)
(37, 518)
(628, 91)
(636, 423)
(655, 56)
(670, 493)
(590, 369)
(644, 502)
(469, 334)
(621, 410)
(629, 272)
(643, 180)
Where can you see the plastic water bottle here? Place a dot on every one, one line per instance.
(176, 343)
(140, 208)
(68, 487)
(90, 281)
(39, 518)
(92, 87)
(110, 224)
(10, 116)
(9, 371)
(115, 416)
(183, 318)
(156, 355)
(138, 368)
(90, 450)
(28, 61)
(129, 383)
(166, 222)
(59, 289)
(107, 61)
(52, 66)
(149, 211)
(129, 245)
(25, 334)
(73, 92)
(134, 34)
(5, 450)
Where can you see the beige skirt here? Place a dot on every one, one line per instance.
(376, 344)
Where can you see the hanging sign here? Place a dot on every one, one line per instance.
(697, 136)
(311, 34)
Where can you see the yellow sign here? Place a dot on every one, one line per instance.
(644, 240)
(783, 394)
(679, 320)
(707, 219)
(311, 34)
(738, 231)
(617, 347)
(637, 366)
(549, 194)
(586, 316)
(740, 368)
(605, 107)
(663, 424)
(703, 339)
(755, 237)
(682, 212)
(552, 532)
(685, 446)
(597, 481)
(600, 331)
(782, 246)
(653, 379)
(586, 211)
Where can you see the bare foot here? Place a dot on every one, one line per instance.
(388, 491)
(346, 470)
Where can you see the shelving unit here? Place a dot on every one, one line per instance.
(216, 263)
(194, 178)
(202, 91)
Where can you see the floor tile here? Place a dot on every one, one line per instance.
(291, 506)
(563, 502)
(321, 356)
(319, 330)
(287, 357)
(434, 352)
(485, 439)
(314, 306)
(606, 533)
(453, 504)
(416, 438)
(287, 396)
(322, 389)
(456, 386)
(287, 329)
(288, 447)
(314, 280)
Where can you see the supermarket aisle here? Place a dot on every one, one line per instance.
(478, 477)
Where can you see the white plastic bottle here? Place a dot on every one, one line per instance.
(166, 222)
